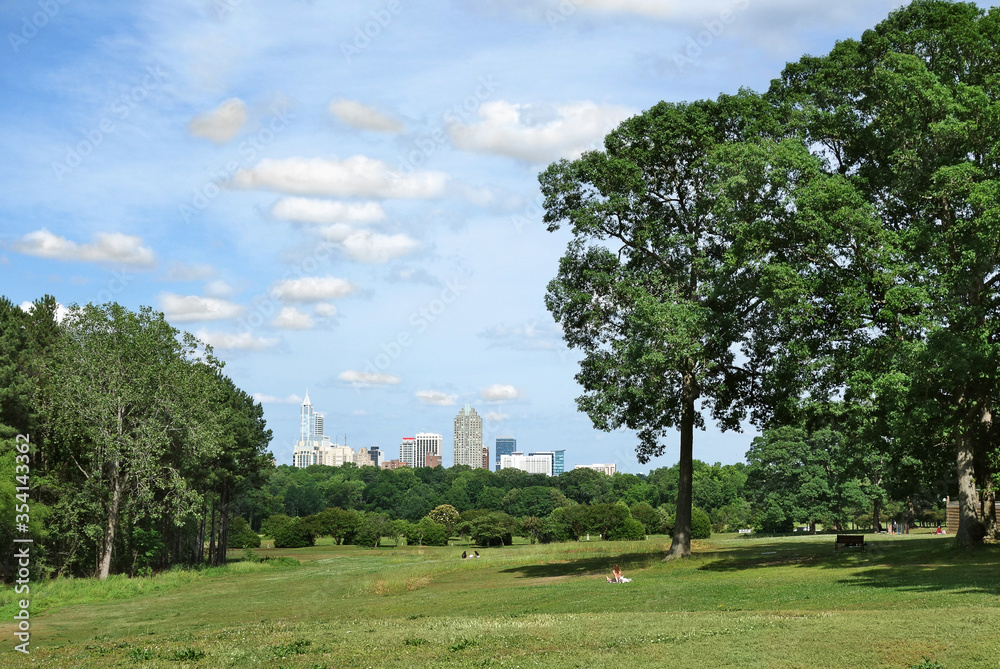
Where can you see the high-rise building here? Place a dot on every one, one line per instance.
(468, 444)
(486, 457)
(505, 446)
(533, 463)
(313, 446)
(414, 450)
(558, 459)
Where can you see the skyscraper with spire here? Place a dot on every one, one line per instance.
(313, 446)
(468, 443)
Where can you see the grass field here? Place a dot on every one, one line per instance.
(738, 602)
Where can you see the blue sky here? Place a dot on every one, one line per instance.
(343, 197)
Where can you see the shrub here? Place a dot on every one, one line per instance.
(648, 516)
(630, 530)
(493, 529)
(701, 526)
(426, 533)
(775, 520)
(372, 528)
(294, 534)
(240, 534)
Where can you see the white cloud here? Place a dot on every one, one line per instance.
(195, 308)
(245, 341)
(222, 123)
(499, 392)
(537, 133)
(362, 116)
(370, 247)
(180, 271)
(219, 288)
(311, 210)
(312, 289)
(61, 311)
(495, 416)
(290, 318)
(357, 176)
(436, 397)
(106, 247)
(362, 379)
(325, 310)
(271, 399)
(529, 336)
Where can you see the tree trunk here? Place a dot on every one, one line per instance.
(200, 549)
(104, 568)
(967, 498)
(990, 517)
(876, 515)
(681, 544)
(223, 547)
(211, 539)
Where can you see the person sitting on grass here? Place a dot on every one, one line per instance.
(464, 555)
(616, 575)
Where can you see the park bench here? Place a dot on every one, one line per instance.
(847, 540)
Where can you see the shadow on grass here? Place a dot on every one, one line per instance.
(587, 566)
(920, 564)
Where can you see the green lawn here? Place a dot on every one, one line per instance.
(738, 602)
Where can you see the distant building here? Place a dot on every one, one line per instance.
(608, 469)
(486, 457)
(505, 446)
(558, 459)
(394, 464)
(432, 460)
(313, 446)
(468, 443)
(533, 464)
(414, 450)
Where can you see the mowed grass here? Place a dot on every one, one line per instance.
(737, 602)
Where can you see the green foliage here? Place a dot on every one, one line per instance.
(445, 514)
(426, 533)
(630, 530)
(494, 529)
(240, 534)
(289, 532)
(373, 527)
(701, 526)
(648, 516)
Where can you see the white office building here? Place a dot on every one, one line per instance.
(468, 444)
(414, 450)
(608, 469)
(536, 463)
(313, 446)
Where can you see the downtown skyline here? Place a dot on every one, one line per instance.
(344, 196)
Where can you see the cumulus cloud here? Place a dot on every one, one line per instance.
(180, 271)
(362, 379)
(495, 416)
(311, 210)
(325, 310)
(219, 288)
(529, 336)
(537, 133)
(362, 116)
(436, 397)
(370, 247)
(271, 399)
(290, 318)
(357, 176)
(245, 341)
(195, 308)
(312, 289)
(106, 247)
(222, 123)
(499, 392)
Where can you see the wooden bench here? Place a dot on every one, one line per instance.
(848, 540)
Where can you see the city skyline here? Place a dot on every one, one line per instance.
(344, 196)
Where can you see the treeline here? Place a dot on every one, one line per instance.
(790, 480)
(138, 446)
